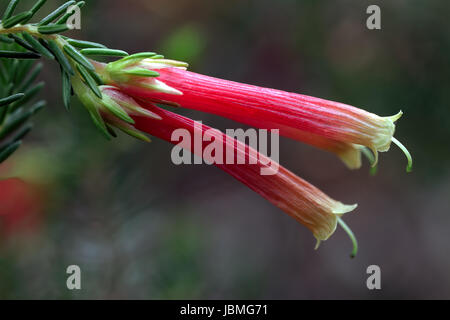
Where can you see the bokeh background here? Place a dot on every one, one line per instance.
(141, 227)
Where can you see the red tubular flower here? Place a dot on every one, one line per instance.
(296, 197)
(332, 126)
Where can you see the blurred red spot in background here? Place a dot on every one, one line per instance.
(20, 206)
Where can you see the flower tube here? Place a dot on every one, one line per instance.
(332, 126)
(299, 199)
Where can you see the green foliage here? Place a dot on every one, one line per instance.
(89, 80)
(17, 89)
(22, 43)
(37, 46)
(56, 14)
(18, 55)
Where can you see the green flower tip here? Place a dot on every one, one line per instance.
(400, 145)
(352, 237)
(406, 152)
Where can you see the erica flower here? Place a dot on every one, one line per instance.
(121, 95)
(296, 197)
(332, 126)
(302, 201)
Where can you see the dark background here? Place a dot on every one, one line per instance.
(141, 227)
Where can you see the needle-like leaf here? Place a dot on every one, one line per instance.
(78, 57)
(61, 57)
(35, 9)
(103, 52)
(31, 77)
(29, 94)
(55, 14)
(89, 80)
(84, 44)
(10, 9)
(67, 89)
(6, 39)
(68, 14)
(18, 55)
(8, 150)
(53, 28)
(8, 100)
(38, 46)
(12, 21)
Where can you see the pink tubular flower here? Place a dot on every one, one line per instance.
(332, 126)
(296, 197)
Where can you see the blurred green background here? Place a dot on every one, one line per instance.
(141, 227)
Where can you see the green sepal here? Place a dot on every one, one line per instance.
(18, 55)
(141, 72)
(55, 14)
(38, 46)
(99, 123)
(89, 80)
(122, 63)
(53, 28)
(140, 56)
(132, 131)
(116, 109)
(8, 150)
(8, 100)
(12, 21)
(103, 52)
(60, 56)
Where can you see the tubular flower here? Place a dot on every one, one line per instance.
(293, 195)
(302, 201)
(332, 126)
